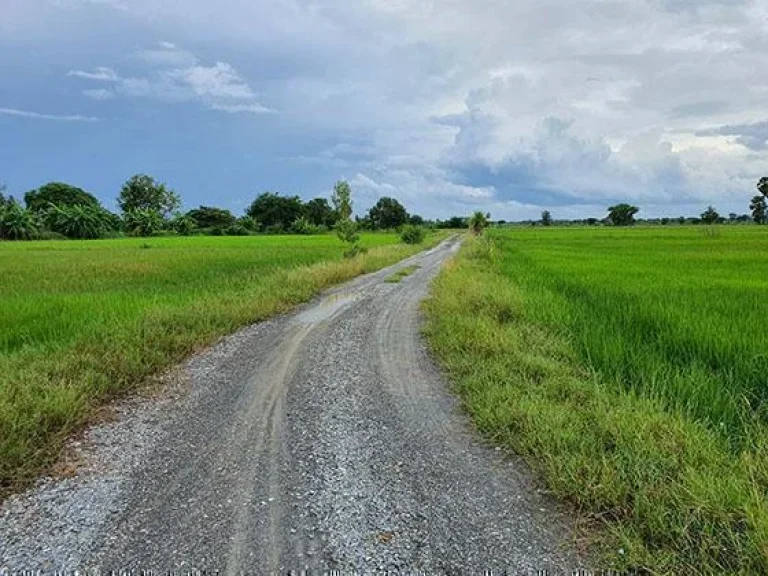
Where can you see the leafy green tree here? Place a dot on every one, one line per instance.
(143, 222)
(182, 224)
(622, 214)
(387, 213)
(78, 221)
(546, 218)
(143, 193)
(59, 194)
(759, 209)
(478, 222)
(762, 186)
(3, 200)
(415, 220)
(320, 213)
(17, 223)
(342, 200)
(302, 225)
(210, 217)
(710, 215)
(274, 212)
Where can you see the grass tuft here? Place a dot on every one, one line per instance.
(402, 273)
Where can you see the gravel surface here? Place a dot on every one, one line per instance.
(321, 440)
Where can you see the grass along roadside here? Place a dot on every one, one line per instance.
(402, 273)
(81, 322)
(531, 345)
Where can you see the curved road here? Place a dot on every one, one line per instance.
(327, 439)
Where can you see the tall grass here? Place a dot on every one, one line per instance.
(83, 321)
(628, 367)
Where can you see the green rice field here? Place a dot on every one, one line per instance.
(630, 367)
(81, 321)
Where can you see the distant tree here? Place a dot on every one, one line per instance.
(319, 212)
(416, 220)
(710, 216)
(762, 186)
(593, 221)
(681, 219)
(622, 214)
(3, 200)
(759, 209)
(210, 217)
(546, 218)
(454, 223)
(342, 200)
(274, 212)
(478, 222)
(59, 194)
(387, 213)
(141, 192)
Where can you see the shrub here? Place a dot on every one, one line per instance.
(183, 224)
(412, 234)
(237, 230)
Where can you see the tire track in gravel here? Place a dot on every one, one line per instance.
(323, 439)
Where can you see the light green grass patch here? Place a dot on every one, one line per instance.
(402, 273)
(83, 321)
(628, 367)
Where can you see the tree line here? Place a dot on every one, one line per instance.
(623, 214)
(150, 208)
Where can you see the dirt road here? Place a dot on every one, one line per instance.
(324, 439)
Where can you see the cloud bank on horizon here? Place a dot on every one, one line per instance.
(449, 106)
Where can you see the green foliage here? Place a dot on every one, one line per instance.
(182, 224)
(622, 214)
(387, 213)
(346, 230)
(759, 209)
(17, 223)
(710, 216)
(142, 193)
(546, 218)
(320, 213)
(78, 221)
(274, 212)
(209, 217)
(416, 220)
(143, 222)
(633, 382)
(248, 223)
(454, 223)
(412, 234)
(304, 226)
(478, 222)
(58, 194)
(342, 200)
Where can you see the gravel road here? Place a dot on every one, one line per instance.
(321, 440)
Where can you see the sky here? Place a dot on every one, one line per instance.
(506, 106)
